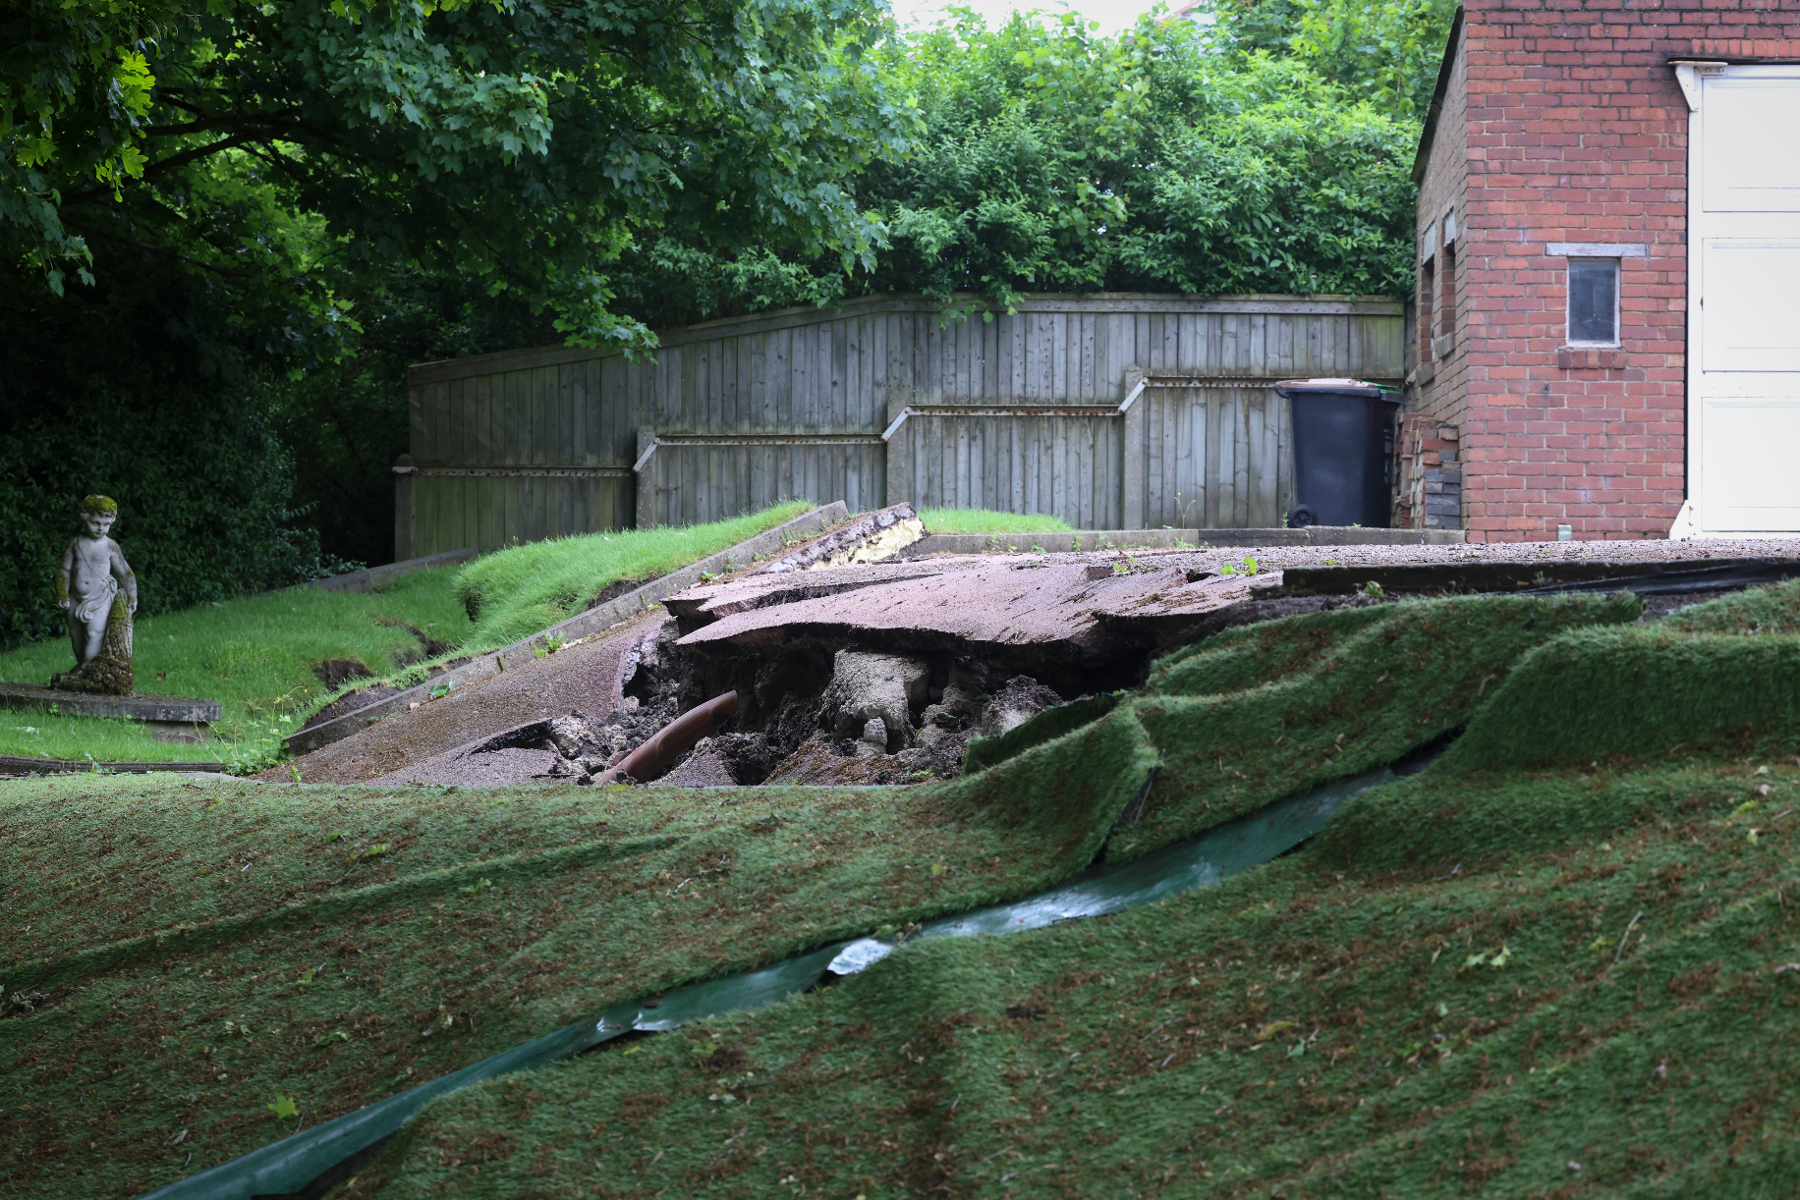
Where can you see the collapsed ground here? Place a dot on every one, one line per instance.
(1557, 960)
(884, 672)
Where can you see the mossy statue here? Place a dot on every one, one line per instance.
(95, 586)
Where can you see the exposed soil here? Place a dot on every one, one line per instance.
(350, 702)
(614, 590)
(336, 672)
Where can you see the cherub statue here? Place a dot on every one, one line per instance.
(95, 586)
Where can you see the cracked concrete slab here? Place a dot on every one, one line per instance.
(1012, 610)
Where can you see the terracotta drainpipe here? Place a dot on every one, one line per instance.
(666, 744)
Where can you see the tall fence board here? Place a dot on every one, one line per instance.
(1017, 411)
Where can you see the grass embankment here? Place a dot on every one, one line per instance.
(1308, 1029)
(986, 520)
(201, 950)
(1424, 1000)
(257, 656)
(516, 592)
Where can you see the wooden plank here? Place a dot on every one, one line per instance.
(838, 413)
(1013, 340)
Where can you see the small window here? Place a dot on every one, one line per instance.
(1593, 302)
(1447, 303)
(1427, 307)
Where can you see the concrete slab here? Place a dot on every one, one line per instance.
(1012, 611)
(709, 602)
(584, 677)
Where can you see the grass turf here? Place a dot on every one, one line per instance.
(255, 655)
(516, 592)
(1271, 710)
(987, 520)
(191, 952)
(1308, 1029)
(1421, 1001)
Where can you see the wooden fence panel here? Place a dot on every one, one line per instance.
(541, 443)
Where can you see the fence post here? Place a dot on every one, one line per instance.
(644, 473)
(1131, 445)
(899, 456)
(403, 507)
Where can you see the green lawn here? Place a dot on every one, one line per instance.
(518, 591)
(255, 655)
(987, 520)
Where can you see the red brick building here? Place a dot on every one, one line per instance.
(1585, 165)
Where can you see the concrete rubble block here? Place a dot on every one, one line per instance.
(868, 538)
(869, 688)
(708, 602)
(571, 735)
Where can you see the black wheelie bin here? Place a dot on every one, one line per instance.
(1343, 432)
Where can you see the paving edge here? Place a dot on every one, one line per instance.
(594, 620)
(1154, 539)
(12, 765)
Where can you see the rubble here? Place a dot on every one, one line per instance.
(874, 697)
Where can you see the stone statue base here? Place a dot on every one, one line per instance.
(108, 672)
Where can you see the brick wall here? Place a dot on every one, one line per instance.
(1575, 131)
(1439, 391)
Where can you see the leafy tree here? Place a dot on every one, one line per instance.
(1385, 51)
(226, 212)
(1052, 159)
(522, 141)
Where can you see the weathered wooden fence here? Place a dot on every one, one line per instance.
(1110, 411)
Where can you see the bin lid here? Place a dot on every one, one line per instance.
(1341, 387)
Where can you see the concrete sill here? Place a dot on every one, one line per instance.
(1589, 358)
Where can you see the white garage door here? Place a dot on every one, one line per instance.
(1744, 300)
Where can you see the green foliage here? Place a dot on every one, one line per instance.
(203, 485)
(256, 655)
(516, 592)
(520, 143)
(1055, 160)
(1385, 51)
(984, 520)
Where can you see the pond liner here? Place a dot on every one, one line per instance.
(291, 1165)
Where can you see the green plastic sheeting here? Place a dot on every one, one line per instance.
(291, 1164)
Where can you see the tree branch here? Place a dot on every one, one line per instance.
(131, 241)
(176, 160)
